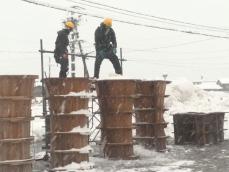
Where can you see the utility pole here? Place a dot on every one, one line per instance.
(75, 39)
(72, 49)
(86, 74)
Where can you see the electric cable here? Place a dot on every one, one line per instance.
(126, 22)
(147, 18)
(148, 15)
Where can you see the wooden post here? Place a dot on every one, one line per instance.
(44, 106)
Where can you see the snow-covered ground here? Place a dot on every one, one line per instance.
(184, 97)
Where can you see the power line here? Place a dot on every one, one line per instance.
(180, 63)
(144, 17)
(18, 52)
(152, 16)
(183, 60)
(171, 46)
(178, 52)
(126, 22)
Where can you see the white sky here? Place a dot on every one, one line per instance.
(23, 24)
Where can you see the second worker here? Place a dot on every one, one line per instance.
(106, 47)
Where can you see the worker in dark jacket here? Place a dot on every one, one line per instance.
(106, 46)
(61, 51)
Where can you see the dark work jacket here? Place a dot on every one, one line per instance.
(62, 41)
(104, 37)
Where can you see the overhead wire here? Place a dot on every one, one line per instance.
(170, 46)
(181, 66)
(152, 16)
(19, 52)
(128, 51)
(144, 17)
(126, 22)
(180, 63)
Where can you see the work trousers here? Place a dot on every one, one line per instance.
(100, 56)
(63, 67)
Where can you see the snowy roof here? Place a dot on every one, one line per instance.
(209, 86)
(224, 80)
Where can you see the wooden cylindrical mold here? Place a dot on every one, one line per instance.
(17, 85)
(15, 116)
(116, 106)
(149, 110)
(63, 86)
(199, 128)
(65, 142)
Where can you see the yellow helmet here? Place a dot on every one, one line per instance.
(69, 24)
(107, 22)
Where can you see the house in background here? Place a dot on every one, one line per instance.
(208, 85)
(224, 83)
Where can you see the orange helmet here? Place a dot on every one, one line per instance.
(69, 24)
(107, 22)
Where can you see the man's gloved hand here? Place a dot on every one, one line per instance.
(114, 50)
(65, 55)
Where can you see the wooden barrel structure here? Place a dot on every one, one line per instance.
(66, 141)
(149, 110)
(198, 128)
(15, 117)
(116, 107)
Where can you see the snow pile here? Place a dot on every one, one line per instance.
(186, 97)
(40, 155)
(88, 166)
(85, 112)
(83, 131)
